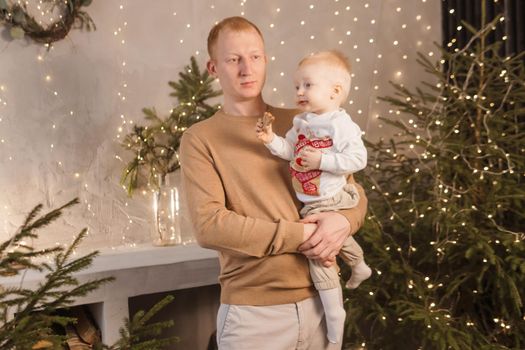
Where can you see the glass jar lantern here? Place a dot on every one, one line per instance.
(166, 214)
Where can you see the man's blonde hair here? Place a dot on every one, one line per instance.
(333, 59)
(236, 23)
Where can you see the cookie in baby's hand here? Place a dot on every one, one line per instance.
(267, 120)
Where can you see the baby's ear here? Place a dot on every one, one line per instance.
(337, 91)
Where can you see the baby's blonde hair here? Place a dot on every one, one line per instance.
(333, 59)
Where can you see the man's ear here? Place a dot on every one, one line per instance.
(212, 69)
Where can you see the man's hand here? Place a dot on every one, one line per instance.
(326, 242)
(310, 158)
(309, 230)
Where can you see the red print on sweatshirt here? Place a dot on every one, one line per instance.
(307, 182)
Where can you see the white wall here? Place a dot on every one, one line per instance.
(54, 147)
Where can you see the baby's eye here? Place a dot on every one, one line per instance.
(307, 85)
(296, 87)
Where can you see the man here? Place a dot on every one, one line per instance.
(241, 203)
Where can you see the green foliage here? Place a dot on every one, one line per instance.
(34, 311)
(446, 218)
(27, 316)
(138, 334)
(155, 146)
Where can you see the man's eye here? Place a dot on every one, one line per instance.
(233, 60)
(256, 57)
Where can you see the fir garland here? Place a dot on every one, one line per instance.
(22, 24)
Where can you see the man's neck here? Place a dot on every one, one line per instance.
(252, 107)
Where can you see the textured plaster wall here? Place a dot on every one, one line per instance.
(61, 110)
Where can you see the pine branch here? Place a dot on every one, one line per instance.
(34, 310)
(137, 334)
(155, 146)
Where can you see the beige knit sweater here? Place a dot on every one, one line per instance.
(242, 204)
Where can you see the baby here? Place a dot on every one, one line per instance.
(324, 146)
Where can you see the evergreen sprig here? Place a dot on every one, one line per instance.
(445, 229)
(155, 146)
(139, 334)
(26, 315)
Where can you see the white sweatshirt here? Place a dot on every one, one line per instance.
(339, 140)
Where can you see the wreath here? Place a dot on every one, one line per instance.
(21, 23)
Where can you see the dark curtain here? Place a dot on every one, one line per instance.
(456, 11)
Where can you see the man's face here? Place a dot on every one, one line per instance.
(315, 89)
(240, 64)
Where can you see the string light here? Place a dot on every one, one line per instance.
(360, 20)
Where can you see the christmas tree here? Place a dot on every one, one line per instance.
(155, 146)
(28, 318)
(446, 220)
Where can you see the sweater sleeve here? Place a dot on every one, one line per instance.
(351, 154)
(356, 215)
(283, 147)
(217, 227)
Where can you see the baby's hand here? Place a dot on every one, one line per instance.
(310, 158)
(263, 128)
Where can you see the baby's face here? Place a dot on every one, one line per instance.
(315, 88)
